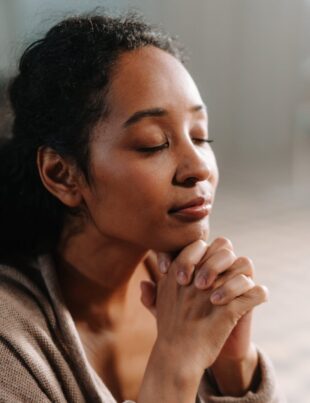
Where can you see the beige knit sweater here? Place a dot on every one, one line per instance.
(42, 357)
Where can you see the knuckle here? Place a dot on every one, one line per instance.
(247, 280)
(223, 242)
(260, 294)
(228, 255)
(221, 261)
(246, 262)
(201, 243)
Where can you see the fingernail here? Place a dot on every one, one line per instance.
(201, 281)
(182, 277)
(216, 297)
(163, 264)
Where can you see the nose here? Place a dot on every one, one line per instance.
(194, 165)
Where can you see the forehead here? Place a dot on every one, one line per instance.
(150, 77)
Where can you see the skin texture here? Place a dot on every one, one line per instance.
(102, 253)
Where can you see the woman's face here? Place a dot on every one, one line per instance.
(150, 156)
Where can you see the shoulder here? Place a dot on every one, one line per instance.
(24, 302)
(41, 356)
(33, 365)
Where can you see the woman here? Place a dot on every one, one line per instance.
(109, 169)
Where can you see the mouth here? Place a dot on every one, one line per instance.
(193, 210)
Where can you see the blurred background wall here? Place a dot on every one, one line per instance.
(248, 57)
(251, 61)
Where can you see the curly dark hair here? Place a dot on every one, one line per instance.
(57, 97)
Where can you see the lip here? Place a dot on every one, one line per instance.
(194, 210)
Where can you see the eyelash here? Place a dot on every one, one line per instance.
(166, 145)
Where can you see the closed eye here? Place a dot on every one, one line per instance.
(153, 149)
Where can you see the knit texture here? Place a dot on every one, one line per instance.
(42, 356)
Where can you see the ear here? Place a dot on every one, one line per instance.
(59, 176)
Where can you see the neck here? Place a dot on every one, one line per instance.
(97, 276)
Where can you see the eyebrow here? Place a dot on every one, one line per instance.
(156, 112)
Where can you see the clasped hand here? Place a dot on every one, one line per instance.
(203, 305)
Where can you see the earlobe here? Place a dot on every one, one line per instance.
(59, 176)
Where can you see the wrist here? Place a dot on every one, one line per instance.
(177, 362)
(168, 377)
(235, 377)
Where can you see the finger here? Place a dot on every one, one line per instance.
(185, 263)
(212, 267)
(164, 261)
(219, 243)
(243, 304)
(148, 295)
(243, 265)
(232, 289)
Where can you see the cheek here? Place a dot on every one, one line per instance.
(132, 189)
(131, 204)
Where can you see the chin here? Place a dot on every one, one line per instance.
(178, 239)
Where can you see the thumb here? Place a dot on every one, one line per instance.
(148, 295)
